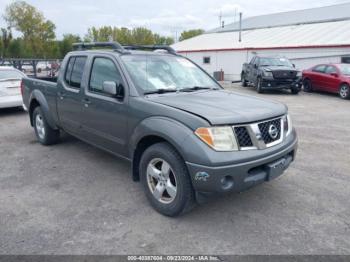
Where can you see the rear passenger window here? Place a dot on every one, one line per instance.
(69, 70)
(77, 72)
(103, 69)
(75, 69)
(331, 70)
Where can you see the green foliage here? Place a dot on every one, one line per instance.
(38, 39)
(125, 36)
(190, 33)
(65, 45)
(36, 30)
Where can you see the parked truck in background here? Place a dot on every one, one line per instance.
(184, 135)
(271, 73)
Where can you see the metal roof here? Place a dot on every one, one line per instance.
(295, 36)
(307, 16)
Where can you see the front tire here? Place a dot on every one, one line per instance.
(307, 86)
(44, 133)
(258, 85)
(295, 90)
(344, 91)
(166, 181)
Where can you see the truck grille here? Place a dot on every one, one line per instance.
(259, 135)
(264, 129)
(243, 137)
(284, 74)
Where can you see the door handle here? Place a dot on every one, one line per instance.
(86, 102)
(61, 95)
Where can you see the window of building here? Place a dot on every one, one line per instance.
(345, 59)
(206, 60)
(103, 69)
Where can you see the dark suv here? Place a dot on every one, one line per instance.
(184, 135)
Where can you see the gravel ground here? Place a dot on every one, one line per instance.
(72, 198)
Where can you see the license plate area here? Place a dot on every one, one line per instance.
(276, 168)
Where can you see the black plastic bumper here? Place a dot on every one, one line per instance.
(273, 84)
(239, 177)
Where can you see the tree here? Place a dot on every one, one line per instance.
(66, 45)
(6, 38)
(163, 40)
(190, 33)
(36, 30)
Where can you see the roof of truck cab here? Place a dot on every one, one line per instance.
(115, 52)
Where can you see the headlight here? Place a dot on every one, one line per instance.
(287, 125)
(218, 138)
(268, 74)
(299, 74)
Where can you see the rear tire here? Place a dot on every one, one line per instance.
(44, 133)
(307, 86)
(244, 81)
(166, 181)
(344, 91)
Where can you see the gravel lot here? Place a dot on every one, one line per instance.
(75, 199)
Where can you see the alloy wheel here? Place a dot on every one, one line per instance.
(39, 125)
(161, 181)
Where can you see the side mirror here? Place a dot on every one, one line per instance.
(293, 65)
(255, 66)
(110, 88)
(113, 89)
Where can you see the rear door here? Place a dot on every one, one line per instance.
(69, 94)
(104, 116)
(318, 76)
(332, 79)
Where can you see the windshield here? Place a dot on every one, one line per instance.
(162, 72)
(345, 69)
(10, 74)
(264, 61)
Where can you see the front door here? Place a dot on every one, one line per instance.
(104, 116)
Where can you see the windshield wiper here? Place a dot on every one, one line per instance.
(160, 91)
(196, 88)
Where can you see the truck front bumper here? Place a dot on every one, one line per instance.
(274, 84)
(241, 176)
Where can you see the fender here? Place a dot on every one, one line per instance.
(170, 130)
(40, 98)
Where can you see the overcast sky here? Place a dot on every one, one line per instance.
(163, 16)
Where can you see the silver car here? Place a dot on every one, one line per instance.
(10, 87)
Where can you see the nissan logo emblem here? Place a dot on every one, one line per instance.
(273, 131)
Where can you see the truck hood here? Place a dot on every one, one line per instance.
(221, 107)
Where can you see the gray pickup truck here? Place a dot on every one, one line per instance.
(271, 73)
(186, 137)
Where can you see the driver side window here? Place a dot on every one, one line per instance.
(103, 69)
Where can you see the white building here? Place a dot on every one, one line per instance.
(307, 37)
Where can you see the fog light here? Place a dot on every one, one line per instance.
(227, 182)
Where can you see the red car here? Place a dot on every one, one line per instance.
(333, 78)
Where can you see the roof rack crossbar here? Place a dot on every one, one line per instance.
(151, 47)
(84, 46)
